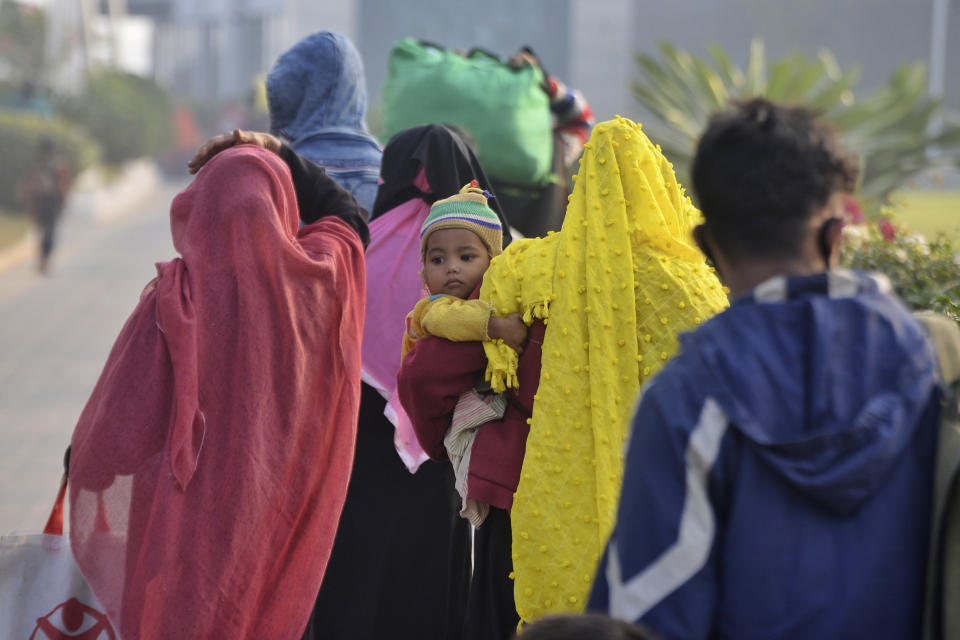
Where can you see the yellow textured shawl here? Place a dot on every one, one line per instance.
(615, 286)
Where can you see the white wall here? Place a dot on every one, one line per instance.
(601, 62)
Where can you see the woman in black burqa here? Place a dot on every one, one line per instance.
(400, 566)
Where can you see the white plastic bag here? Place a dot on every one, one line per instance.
(43, 595)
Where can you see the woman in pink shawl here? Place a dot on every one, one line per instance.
(210, 465)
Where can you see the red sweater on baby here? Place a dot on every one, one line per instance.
(432, 378)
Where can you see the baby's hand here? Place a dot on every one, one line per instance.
(511, 330)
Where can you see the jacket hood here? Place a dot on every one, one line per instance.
(827, 377)
(316, 93)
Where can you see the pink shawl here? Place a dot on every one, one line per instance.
(211, 463)
(394, 286)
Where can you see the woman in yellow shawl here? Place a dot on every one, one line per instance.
(615, 286)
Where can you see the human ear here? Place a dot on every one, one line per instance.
(424, 289)
(831, 231)
(700, 237)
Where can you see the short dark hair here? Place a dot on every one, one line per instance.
(761, 170)
(587, 626)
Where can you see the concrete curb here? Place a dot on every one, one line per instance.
(18, 251)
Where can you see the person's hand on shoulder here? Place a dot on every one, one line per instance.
(522, 57)
(224, 141)
(526, 57)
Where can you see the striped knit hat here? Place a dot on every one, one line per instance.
(465, 210)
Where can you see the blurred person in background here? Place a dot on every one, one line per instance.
(317, 97)
(44, 192)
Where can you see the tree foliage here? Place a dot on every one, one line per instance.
(129, 116)
(888, 127)
(23, 31)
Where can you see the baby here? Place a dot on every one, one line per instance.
(457, 241)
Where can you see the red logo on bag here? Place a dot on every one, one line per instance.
(73, 620)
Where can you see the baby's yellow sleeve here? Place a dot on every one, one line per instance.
(413, 331)
(457, 320)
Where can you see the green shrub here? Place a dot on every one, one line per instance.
(924, 273)
(130, 116)
(20, 136)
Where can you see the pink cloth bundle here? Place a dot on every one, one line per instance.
(394, 286)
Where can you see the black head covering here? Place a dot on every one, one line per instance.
(448, 159)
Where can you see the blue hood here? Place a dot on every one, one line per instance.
(317, 97)
(833, 432)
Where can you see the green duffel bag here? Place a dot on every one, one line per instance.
(504, 108)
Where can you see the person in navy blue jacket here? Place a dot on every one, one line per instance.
(779, 472)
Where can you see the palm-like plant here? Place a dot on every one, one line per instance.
(889, 128)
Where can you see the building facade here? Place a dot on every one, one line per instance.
(215, 48)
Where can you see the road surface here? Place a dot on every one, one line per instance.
(55, 334)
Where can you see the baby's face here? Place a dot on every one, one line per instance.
(455, 262)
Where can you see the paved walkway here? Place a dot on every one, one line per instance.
(55, 335)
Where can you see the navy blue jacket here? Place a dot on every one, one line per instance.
(779, 472)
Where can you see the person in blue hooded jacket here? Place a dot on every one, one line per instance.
(317, 96)
(778, 476)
